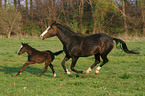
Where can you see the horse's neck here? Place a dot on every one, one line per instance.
(65, 36)
(30, 50)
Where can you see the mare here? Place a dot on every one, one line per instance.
(35, 56)
(78, 45)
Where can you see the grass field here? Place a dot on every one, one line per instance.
(124, 75)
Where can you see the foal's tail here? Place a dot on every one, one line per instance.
(124, 47)
(58, 52)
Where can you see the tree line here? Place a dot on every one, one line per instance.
(114, 17)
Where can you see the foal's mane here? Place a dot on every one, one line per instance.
(26, 44)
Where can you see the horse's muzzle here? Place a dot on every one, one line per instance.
(41, 37)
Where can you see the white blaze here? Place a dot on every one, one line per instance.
(20, 49)
(45, 31)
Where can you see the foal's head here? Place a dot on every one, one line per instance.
(50, 31)
(23, 48)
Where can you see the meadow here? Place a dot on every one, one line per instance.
(123, 75)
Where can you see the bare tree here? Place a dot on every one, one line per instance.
(143, 15)
(5, 5)
(31, 9)
(124, 16)
(10, 21)
(19, 4)
(15, 3)
(0, 3)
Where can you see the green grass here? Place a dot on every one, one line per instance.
(123, 75)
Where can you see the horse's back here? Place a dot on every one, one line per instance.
(95, 43)
(106, 43)
(98, 38)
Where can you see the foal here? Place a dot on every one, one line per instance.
(35, 56)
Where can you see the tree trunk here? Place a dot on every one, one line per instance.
(0, 3)
(10, 30)
(15, 3)
(124, 18)
(26, 9)
(143, 15)
(19, 5)
(31, 9)
(5, 5)
(81, 8)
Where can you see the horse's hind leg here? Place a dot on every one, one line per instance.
(51, 66)
(97, 61)
(105, 60)
(66, 58)
(45, 69)
(74, 60)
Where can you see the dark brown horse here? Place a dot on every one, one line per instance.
(78, 45)
(35, 56)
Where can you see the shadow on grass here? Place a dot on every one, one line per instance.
(13, 70)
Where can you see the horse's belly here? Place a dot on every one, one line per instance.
(88, 51)
(86, 54)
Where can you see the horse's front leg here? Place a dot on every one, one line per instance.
(66, 58)
(24, 66)
(74, 60)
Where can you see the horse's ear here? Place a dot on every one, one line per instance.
(22, 43)
(53, 23)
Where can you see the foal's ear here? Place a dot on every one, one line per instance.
(22, 43)
(54, 22)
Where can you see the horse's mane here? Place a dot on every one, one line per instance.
(68, 28)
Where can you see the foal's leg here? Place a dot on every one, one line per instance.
(97, 61)
(74, 60)
(66, 58)
(24, 66)
(105, 60)
(51, 66)
(45, 69)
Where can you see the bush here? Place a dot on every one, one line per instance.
(10, 21)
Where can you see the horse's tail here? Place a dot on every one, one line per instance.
(124, 47)
(58, 52)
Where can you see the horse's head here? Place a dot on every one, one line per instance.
(49, 32)
(22, 49)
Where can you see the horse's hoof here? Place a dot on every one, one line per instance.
(54, 75)
(82, 72)
(69, 73)
(16, 75)
(87, 73)
(96, 73)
